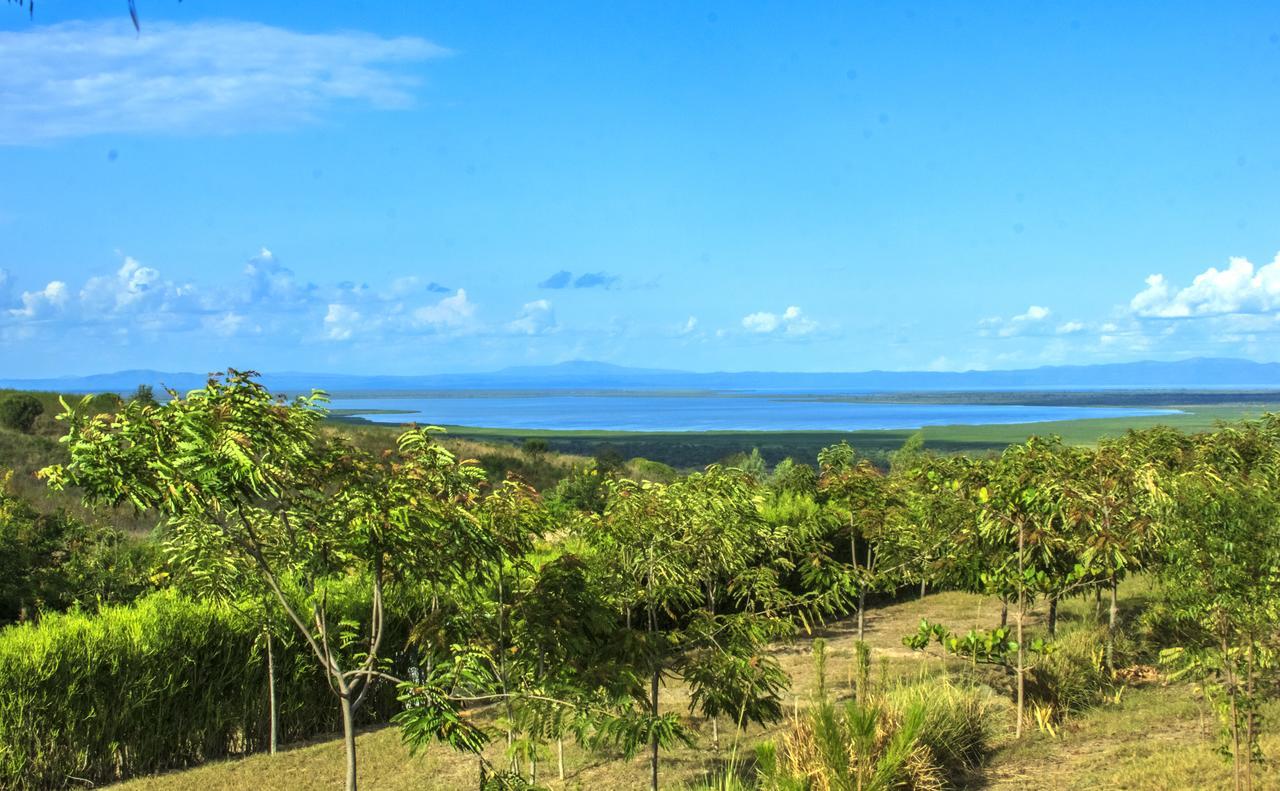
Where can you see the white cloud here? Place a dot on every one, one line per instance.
(83, 78)
(535, 318)
(792, 322)
(340, 322)
(761, 322)
(36, 304)
(270, 283)
(1017, 325)
(689, 325)
(1236, 289)
(1070, 328)
(453, 311)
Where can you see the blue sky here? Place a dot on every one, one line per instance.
(425, 187)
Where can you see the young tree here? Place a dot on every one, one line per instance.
(679, 557)
(250, 478)
(865, 499)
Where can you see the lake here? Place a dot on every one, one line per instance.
(698, 412)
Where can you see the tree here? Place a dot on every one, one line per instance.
(19, 411)
(1019, 528)
(678, 561)
(144, 394)
(1222, 575)
(864, 497)
(1108, 511)
(248, 478)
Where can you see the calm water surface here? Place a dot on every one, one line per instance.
(561, 412)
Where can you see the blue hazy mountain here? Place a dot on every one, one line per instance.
(1193, 373)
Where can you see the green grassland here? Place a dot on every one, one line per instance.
(685, 449)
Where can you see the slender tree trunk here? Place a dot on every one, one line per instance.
(715, 735)
(1249, 723)
(1235, 717)
(273, 737)
(349, 739)
(1053, 616)
(1022, 609)
(862, 598)
(1112, 618)
(1097, 604)
(560, 758)
(1004, 612)
(924, 587)
(653, 760)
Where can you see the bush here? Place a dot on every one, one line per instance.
(162, 684)
(19, 411)
(1073, 677)
(957, 725)
(922, 736)
(50, 562)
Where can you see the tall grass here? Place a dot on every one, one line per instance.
(161, 684)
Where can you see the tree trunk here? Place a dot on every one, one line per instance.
(924, 587)
(1022, 609)
(1004, 613)
(273, 737)
(653, 760)
(1249, 722)
(715, 735)
(349, 739)
(1053, 616)
(560, 758)
(1112, 617)
(862, 598)
(1235, 717)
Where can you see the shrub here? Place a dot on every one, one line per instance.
(1073, 676)
(162, 684)
(19, 411)
(920, 736)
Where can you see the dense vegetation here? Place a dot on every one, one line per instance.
(405, 583)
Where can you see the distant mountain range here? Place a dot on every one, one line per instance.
(1196, 373)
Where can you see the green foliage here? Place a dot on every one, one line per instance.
(50, 562)
(534, 446)
(793, 477)
(144, 394)
(162, 684)
(19, 411)
(924, 735)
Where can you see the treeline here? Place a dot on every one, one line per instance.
(567, 612)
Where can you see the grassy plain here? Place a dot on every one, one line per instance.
(1158, 736)
(685, 449)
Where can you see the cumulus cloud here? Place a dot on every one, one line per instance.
(761, 322)
(449, 312)
(36, 304)
(791, 321)
(269, 281)
(1238, 289)
(535, 318)
(1027, 321)
(340, 322)
(84, 78)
